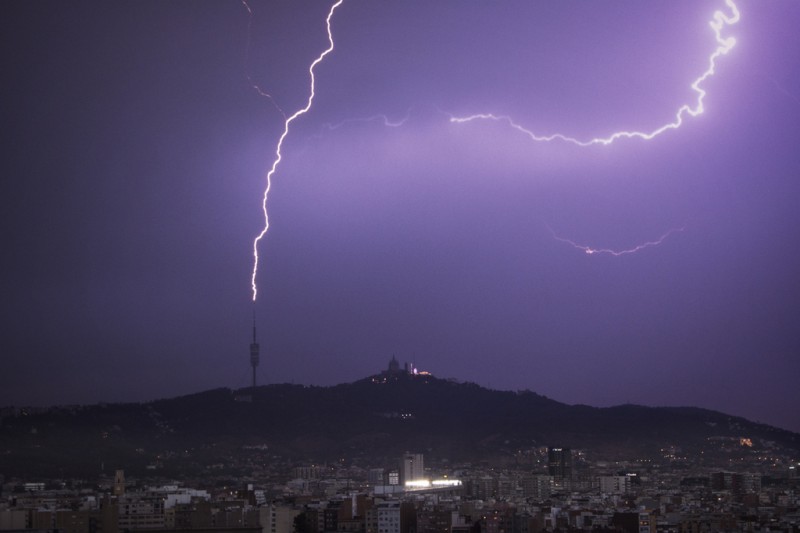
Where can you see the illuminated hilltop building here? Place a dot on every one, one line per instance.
(394, 366)
(394, 369)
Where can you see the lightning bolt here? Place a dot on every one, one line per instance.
(724, 45)
(286, 124)
(253, 84)
(591, 251)
(387, 122)
(782, 89)
(718, 23)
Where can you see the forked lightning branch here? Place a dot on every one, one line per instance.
(719, 21)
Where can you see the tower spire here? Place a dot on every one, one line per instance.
(254, 352)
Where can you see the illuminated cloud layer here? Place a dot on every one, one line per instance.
(723, 45)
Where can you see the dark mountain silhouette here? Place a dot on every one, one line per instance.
(379, 416)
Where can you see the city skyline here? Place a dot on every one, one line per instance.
(414, 212)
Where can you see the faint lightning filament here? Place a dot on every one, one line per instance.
(724, 45)
(384, 119)
(278, 155)
(591, 251)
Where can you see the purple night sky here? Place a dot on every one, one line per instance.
(135, 156)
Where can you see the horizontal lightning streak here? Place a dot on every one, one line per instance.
(387, 122)
(278, 155)
(590, 251)
(718, 22)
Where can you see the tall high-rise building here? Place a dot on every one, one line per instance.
(412, 467)
(254, 352)
(119, 483)
(559, 463)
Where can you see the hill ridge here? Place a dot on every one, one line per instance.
(380, 415)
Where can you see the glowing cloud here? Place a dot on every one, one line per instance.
(724, 45)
